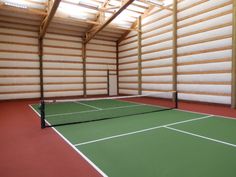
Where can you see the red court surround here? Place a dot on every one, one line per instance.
(28, 151)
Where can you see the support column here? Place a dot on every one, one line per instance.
(117, 67)
(40, 45)
(175, 54)
(42, 104)
(140, 55)
(84, 69)
(233, 94)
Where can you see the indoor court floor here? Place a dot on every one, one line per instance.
(164, 143)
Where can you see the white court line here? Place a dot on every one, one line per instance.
(182, 110)
(195, 112)
(87, 111)
(203, 137)
(140, 131)
(88, 105)
(77, 150)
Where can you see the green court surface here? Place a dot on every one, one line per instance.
(170, 143)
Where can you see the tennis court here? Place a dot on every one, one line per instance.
(118, 88)
(145, 140)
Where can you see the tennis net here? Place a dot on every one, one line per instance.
(74, 111)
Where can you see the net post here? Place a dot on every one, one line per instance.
(42, 114)
(176, 99)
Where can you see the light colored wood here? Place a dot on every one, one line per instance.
(19, 35)
(205, 40)
(192, 5)
(205, 83)
(84, 55)
(233, 94)
(90, 22)
(206, 51)
(158, 18)
(157, 5)
(220, 14)
(134, 25)
(100, 18)
(174, 49)
(31, 11)
(205, 11)
(44, 25)
(229, 24)
(205, 93)
(117, 67)
(90, 35)
(217, 60)
(140, 56)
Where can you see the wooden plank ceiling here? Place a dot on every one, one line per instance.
(77, 17)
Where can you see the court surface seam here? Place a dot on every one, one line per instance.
(141, 131)
(199, 136)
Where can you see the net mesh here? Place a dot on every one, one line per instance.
(64, 112)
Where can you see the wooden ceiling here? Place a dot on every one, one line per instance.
(101, 19)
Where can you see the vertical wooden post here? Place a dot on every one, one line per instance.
(140, 56)
(108, 82)
(117, 67)
(84, 69)
(40, 47)
(175, 46)
(233, 95)
(42, 104)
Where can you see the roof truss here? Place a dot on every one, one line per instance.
(52, 8)
(90, 34)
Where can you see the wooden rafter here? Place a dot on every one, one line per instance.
(160, 6)
(100, 17)
(51, 12)
(136, 23)
(96, 29)
(62, 17)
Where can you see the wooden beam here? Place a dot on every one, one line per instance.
(100, 18)
(140, 56)
(84, 69)
(136, 23)
(117, 68)
(44, 25)
(40, 48)
(74, 20)
(233, 94)
(157, 5)
(174, 48)
(90, 35)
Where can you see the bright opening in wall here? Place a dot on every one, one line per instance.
(16, 3)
